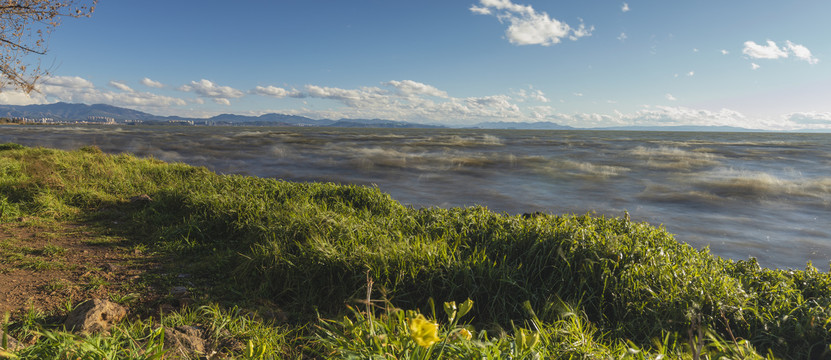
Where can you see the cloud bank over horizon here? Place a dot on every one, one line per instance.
(404, 100)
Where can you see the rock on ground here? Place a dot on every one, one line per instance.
(94, 316)
(10, 342)
(184, 342)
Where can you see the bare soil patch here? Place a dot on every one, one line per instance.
(49, 266)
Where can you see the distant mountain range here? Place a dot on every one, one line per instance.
(66, 112)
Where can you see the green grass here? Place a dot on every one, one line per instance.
(585, 286)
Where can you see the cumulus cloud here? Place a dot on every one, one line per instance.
(673, 116)
(769, 51)
(120, 86)
(206, 88)
(670, 97)
(274, 91)
(810, 118)
(625, 7)
(365, 96)
(411, 88)
(801, 52)
(754, 66)
(528, 26)
(414, 101)
(80, 90)
(724, 52)
(16, 97)
(68, 82)
(532, 94)
(151, 83)
(773, 51)
(622, 36)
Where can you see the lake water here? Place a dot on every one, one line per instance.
(765, 195)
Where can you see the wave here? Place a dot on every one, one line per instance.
(670, 194)
(672, 158)
(751, 184)
(460, 141)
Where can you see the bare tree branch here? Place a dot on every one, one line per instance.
(24, 25)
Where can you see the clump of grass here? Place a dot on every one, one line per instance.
(309, 247)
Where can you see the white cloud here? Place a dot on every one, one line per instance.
(16, 97)
(207, 88)
(625, 7)
(769, 51)
(67, 82)
(410, 88)
(691, 73)
(79, 90)
(120, 86)
(480, 10)
(532, 94)
(527, 26)
(151, 83)
(810, 118)
(802, 52)
(773, 51)
(724, 52)
(672, 116)
(622, 36)
(754, 66)
(413, 101)
(274, 91)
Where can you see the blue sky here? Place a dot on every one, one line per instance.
(588, 63)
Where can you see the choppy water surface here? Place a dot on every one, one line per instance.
(764, 195)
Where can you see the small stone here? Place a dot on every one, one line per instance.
(166, 308)
(143, 198)
(179, 291)
(184, 341)
(11, 343)
(94, 316)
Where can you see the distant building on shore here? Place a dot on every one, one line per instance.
(101, 120)
(25, 120)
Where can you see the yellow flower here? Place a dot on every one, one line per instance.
(526, 340)
(423, 332)
(465, 334)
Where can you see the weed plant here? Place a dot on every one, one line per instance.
(584, 286)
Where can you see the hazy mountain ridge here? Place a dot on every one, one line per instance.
(81, 112)
(542, 125)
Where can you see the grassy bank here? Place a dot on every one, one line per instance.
(543, 286)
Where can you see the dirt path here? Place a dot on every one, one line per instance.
(48, 266)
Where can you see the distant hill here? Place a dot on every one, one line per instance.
(80, 112)
(378, 123)
(66, 112)
(268, 119)
(542, 125)
(73, 112)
